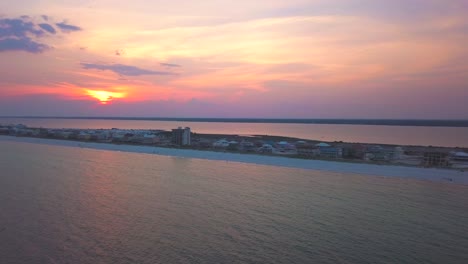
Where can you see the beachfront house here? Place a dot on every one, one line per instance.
(435, 159)
(64, 134)
(398, 153)
(149, 138)
(307, 150)
(266, 148)
(4, 131)
(202, 143)
(222, 143)
(379, 153)
(353, 151)
(25, 132)
(84, 136)
(331, 152)
(459, 156)
(233, 145)
(285, 148)
(247, 146)
(323, 145)
(328, 151)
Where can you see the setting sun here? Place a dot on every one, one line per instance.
(105, 97)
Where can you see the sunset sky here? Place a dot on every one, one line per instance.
(215, 58)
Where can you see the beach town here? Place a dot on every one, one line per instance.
(184, 138)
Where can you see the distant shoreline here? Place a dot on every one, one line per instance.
(324, 121)
(429, 174)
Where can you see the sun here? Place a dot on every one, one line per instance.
(105, 97)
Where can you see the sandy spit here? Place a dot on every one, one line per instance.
(431, 174)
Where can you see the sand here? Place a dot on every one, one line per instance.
(430, 174)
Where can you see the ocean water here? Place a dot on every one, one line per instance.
(76, 205)
(380, 134)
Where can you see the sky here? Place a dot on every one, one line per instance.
(217, 58)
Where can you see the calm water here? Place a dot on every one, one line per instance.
(72, 205)
(399, 135)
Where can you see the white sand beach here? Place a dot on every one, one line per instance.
(431, 174)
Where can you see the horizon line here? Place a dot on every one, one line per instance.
(207, 117)
(330, 121)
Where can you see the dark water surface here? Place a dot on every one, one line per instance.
(72, 205)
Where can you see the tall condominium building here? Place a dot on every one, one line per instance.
(181, 136)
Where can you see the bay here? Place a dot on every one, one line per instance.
(76, 205)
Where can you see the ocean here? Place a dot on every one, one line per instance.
(419, 134)
(76, 205)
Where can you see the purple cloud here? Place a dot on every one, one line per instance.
(67, 28)
(47, 28)
(169, 65)
(21, 34)
(125, 70)
(22, 44)
(18, 28)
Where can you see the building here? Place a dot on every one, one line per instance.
(284, 147)
(328, 151)
(307, 150)
(353, 151)
(379, 153)
(84, 136)
(149, 138)
(331, 152)
(460, 156)
(323, 145)
(181, 136)
(247, 146)
(266, 148)
(222, 143)
(398, 153)
(4, 131)
(435, 159)
(64, 134)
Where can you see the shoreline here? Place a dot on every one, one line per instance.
(429, 174)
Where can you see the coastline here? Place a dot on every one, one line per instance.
(429, 174)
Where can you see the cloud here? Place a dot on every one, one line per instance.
(47, 28)
(22, 44)
(67, 28)
(125, 70)
(22, 34)
(19, 28)
(169, 65)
